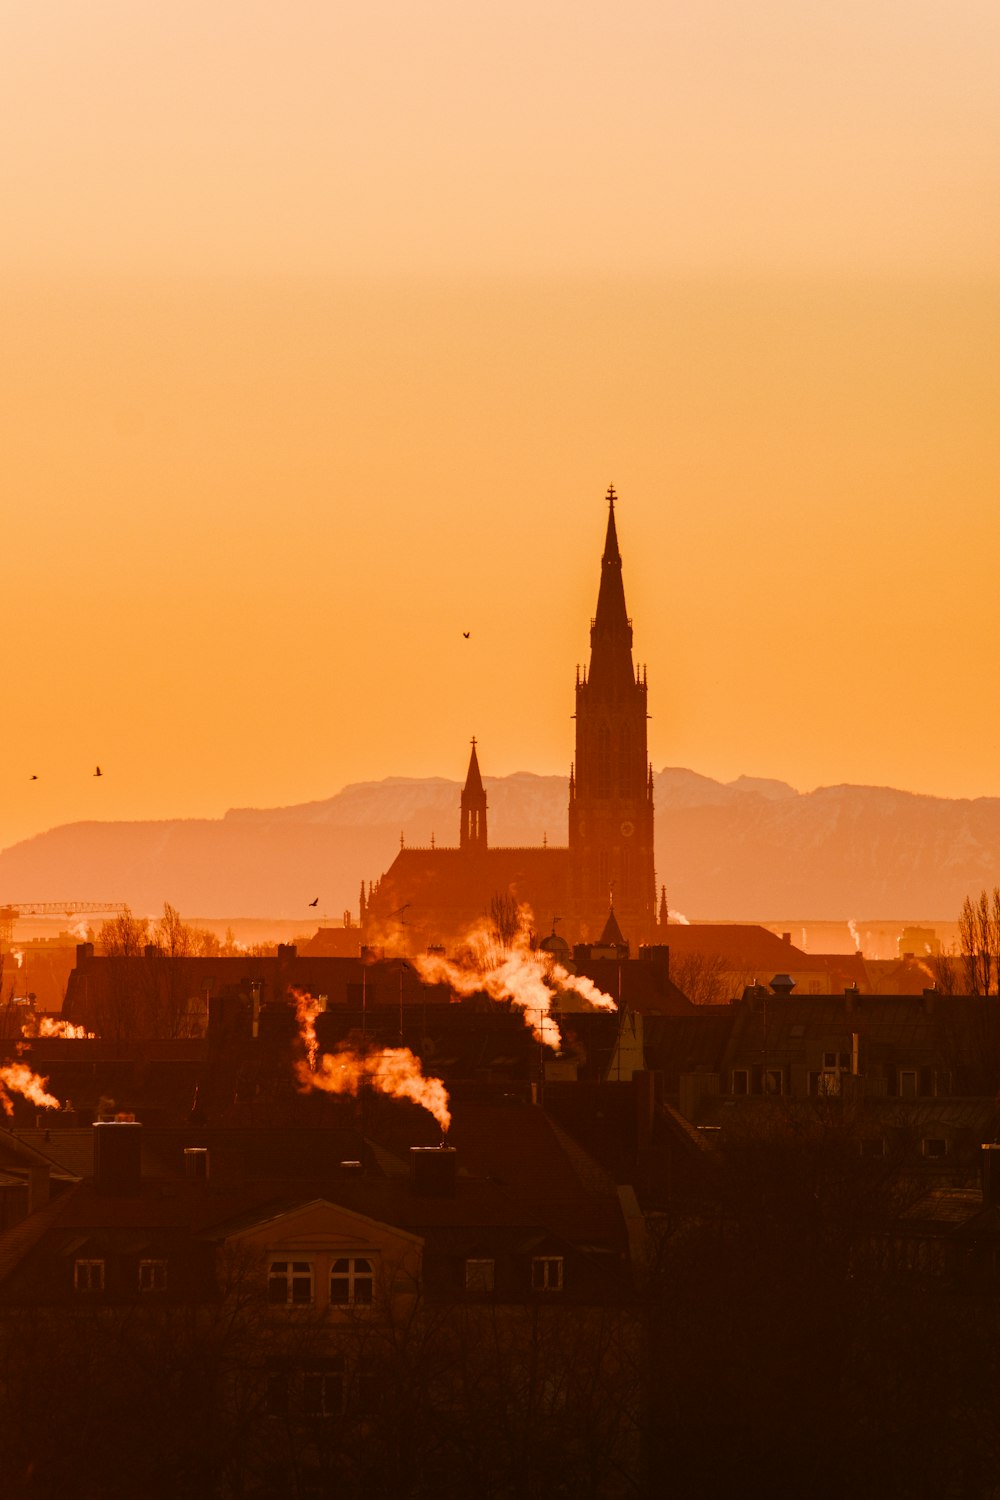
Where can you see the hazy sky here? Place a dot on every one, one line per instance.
(327, 325)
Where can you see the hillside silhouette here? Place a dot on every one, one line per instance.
(744, 849)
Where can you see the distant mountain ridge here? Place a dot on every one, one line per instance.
(743, 849)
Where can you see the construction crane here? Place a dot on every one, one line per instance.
(11, 910)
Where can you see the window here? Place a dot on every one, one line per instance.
(276, 1395)
(479, 1275)
(290, 1283)
(323, 1390)
(320, 1391)
(935, 1147)
(88, 1276)
(352, 1282)
(152, 1275)
(873, 1145)
(547, 1273)
(773, 1081)
(741, 1081)
(908, 1083)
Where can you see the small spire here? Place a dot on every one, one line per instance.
(612, 936)
(401, 839)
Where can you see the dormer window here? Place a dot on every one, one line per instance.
(480, 1275)
(88, 1276)
(547, 1273)
(152, 1275)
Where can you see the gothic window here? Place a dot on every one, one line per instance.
(624, 760)
(603, 761)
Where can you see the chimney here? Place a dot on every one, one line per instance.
(433, 1171)
(287, 953)
(39, 1184)
(84, 953)
(991, 1175)
(644, 1088)
(196, 1163)
(786, 937)
(117, 1157)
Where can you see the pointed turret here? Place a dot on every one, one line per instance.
(473, 827)
(611, 937)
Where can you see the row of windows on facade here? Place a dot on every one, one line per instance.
(331, 1389)
(89, 1275)
(910, 1083)
(291, 1283)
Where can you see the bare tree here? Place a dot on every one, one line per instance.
(702, 978)
(505, 918)
(123, 935)
(979, 938)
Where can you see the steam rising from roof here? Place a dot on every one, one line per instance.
(389, 1070)
(529, 978)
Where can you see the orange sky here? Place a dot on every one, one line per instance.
(326, 327)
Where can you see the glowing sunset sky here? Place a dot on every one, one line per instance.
(327, 325)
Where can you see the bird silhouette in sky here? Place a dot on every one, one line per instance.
(466, 634)
(314, 903)
(32, 778)
(98, 772)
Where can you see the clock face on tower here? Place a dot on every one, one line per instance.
(627, 830)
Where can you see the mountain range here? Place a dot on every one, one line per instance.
(742, 850)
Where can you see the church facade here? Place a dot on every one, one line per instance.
(433, 895)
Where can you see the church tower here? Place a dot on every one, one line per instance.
(611, 782)
(472, 835)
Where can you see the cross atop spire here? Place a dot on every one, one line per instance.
(611, 554)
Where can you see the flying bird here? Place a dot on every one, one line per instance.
(466, 634)
(314, 903)
(32, 778)
(98, 772)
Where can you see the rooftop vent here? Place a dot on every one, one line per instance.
(782, 984)
(196, 1163)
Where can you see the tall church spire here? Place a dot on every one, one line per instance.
(611, 801)
(473, 829)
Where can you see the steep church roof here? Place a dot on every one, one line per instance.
(474, 781)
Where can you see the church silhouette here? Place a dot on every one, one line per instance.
(432, 895)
